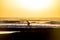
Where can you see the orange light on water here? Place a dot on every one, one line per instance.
(8, 32)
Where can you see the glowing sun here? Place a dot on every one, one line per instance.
(34, 4)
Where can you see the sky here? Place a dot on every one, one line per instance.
(30, 8)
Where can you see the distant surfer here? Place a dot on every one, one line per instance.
(28, 23)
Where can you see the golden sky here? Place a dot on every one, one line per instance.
(29, 8)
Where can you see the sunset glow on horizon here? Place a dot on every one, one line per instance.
(30, 8)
